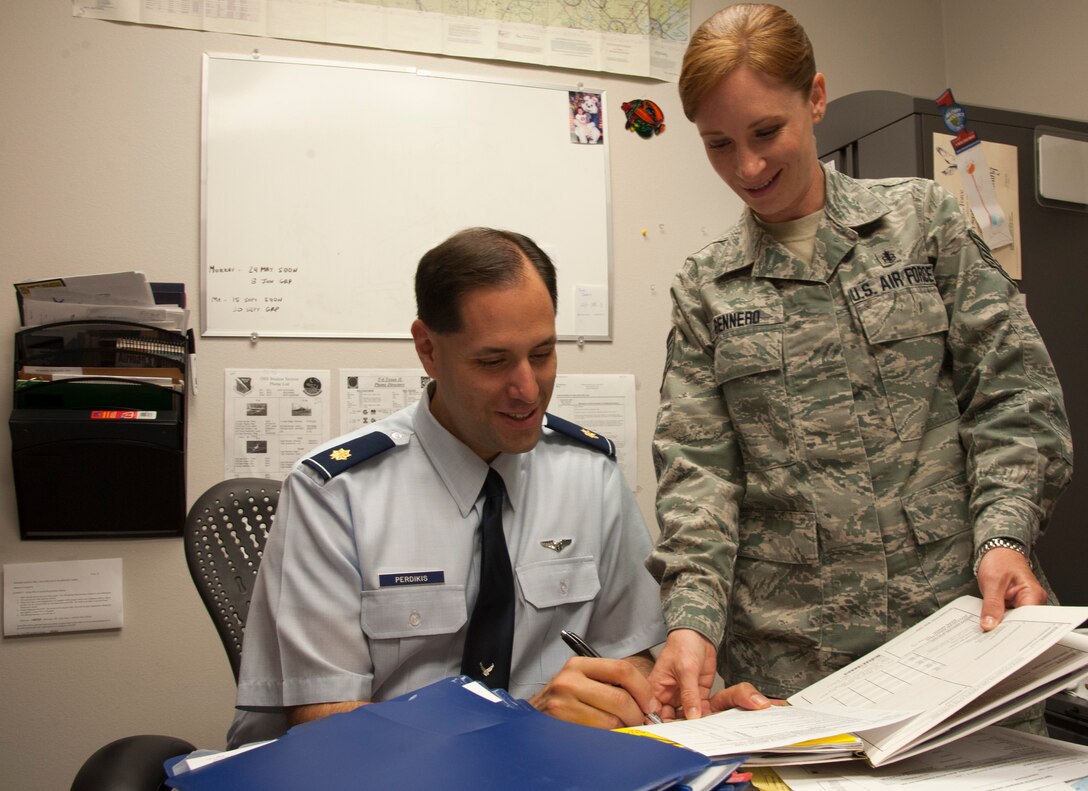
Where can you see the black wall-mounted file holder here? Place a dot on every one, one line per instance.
(98, 430)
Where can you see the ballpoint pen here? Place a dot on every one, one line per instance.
(582, 648)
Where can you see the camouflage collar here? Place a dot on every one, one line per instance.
(849, 205)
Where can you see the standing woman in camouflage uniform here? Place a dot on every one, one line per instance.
(859, 421)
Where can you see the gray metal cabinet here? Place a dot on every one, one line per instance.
(875, 134)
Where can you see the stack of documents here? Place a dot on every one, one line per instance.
(840, 747)
(940, 680)
(452, 734)
(992, 759)
(100, 364)
(115, 296)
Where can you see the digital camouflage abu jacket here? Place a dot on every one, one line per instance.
(835, 438)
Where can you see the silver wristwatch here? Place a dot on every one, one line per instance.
(994, 543)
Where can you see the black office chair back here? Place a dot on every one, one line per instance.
(225, 534)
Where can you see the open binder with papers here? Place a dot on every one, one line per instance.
(452, 734)
(937, 682)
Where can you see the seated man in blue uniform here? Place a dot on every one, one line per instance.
(369, 583)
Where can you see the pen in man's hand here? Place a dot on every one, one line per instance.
(582, 648)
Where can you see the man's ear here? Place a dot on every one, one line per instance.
(422, 337)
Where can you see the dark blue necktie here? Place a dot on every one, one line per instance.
(490, 637)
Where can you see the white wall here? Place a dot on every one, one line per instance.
(99, 171)
(1016, 55)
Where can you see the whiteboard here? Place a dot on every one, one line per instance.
(324, 183)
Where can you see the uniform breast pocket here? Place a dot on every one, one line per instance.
(749, 368)
(396, 620)
(907, 329)
(551, 583)
(557, 592)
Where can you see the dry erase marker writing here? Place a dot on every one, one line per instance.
(582, 648)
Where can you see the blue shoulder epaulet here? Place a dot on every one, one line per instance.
(591, 438)
(332, 461)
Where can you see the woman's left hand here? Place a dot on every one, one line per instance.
(1006, 581)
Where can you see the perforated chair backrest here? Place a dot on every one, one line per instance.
(225, 534)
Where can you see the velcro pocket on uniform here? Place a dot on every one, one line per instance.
(549, 583)
(902, 314)
(779, 536)
(748, 354)
(413, 611)
(938, 511)
(748, 348)
(907, 328)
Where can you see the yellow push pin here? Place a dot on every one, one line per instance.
(644, 232)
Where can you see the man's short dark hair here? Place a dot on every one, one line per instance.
(472, 259)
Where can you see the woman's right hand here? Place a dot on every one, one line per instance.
(684, 673)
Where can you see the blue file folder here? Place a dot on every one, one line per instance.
(444, 736)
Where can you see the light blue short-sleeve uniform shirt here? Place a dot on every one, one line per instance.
(372, 568)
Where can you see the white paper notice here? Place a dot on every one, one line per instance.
(68, 596)
(591, 311)
(369, 394)
(272, 418)
(604, 403)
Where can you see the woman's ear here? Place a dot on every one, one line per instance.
(818, 98)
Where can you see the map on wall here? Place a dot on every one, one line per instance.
(636, 37)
